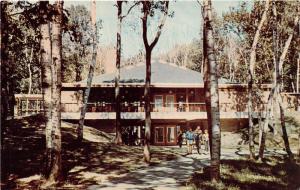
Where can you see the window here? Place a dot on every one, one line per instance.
(159, 134)
(170, 102)
(171, 134)
(158, 101)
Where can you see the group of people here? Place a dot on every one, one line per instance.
(196, 137)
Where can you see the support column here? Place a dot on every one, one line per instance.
(187, 108)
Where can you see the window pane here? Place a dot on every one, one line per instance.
(171, 134)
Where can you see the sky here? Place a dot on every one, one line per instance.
(182, 28)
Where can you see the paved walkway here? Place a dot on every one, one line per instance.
(168, 175)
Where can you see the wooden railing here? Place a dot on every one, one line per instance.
(139, 107)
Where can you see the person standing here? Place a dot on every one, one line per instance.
(190, 139)
(180, 138)
(206, 140)
(198, 139)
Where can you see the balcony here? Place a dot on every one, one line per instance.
(135, 110)
(136, 107)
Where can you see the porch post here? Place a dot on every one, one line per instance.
(16, 110)
(187, 100)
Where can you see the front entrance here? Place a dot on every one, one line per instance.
(165, 135)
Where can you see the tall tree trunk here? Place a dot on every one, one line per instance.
(90, 75)
(149, 47)
(30, 76)
(206, 79)
(118, 139)
(55, 166)
(147, 95)
(270, 102)
(283, 128)
(212, 69)
(279, 100)
(250, 80)
(78, 69)
(298, 73)
(46, 55)
(276, 91)
(298, 146)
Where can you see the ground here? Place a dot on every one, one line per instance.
(98, 164)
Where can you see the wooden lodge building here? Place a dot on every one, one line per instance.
(177, 102)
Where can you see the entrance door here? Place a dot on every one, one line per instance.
(159, 135)
(170, 100)
(171, 135)
(158, 103)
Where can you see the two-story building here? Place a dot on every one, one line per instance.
(177, 102)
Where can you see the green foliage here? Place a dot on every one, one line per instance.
(77, 43)
(243, 23)
(20, 36)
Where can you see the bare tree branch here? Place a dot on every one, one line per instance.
(129, 10)
(162, 22)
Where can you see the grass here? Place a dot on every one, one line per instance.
(83, 164)
(275, 173)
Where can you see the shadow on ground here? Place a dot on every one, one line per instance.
(83, 164)
(169, 175)
(274, 173)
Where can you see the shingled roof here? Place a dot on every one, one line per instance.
(162, 73)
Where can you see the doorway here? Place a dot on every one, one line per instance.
(170, 100)
(165, 135)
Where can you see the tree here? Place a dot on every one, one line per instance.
(211, 91)
(240, 22)
(46, 55)
(118, 139)
(56, 92)
(275, 91)
(90, 74)
(77, 43)
(251, 79)
(51, 53)
(148, 8)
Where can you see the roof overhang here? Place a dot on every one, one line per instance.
(159, 85)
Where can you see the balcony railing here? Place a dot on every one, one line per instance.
(155, 107)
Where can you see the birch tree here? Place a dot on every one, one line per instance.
(118, 139)
(275, 91)
(211, 91)
(251, 78)
(53, 91)
(148, 8)
(90, 74)
(46, 55)
(29, 62)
